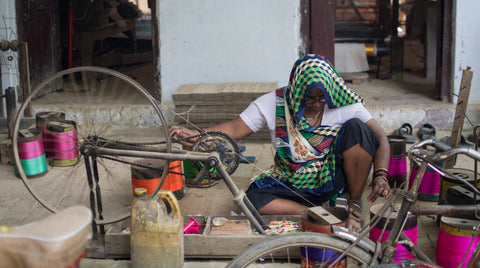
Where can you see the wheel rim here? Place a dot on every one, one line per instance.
(87, 87)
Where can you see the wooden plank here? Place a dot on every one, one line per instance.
(460, 112)
(223, 89)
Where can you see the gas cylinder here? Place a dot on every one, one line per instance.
(156, 238)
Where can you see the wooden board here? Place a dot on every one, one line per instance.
(460, 112)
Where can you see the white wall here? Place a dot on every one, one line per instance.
(467, 46)
(9, 58)
(216, 41)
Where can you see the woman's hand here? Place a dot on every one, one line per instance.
(182, 132)
(380, 189)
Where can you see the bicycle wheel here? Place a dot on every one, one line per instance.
(76, 111)
(291, 248)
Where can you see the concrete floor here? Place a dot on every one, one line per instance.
(391, 102)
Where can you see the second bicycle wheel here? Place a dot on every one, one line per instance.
(76, 111)
(305, 248)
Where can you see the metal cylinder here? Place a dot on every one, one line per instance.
(374, 50)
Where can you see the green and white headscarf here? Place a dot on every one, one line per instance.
(306, 153)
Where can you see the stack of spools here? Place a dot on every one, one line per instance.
(53, 139)
(410, 229)
(31, 153)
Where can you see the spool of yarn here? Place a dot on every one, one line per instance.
(42, 118)
(457, 232)
(461, 195)
(410, 229)
(61, 142)
(397, 168)
(429, 187)
(316, 257)
(446, 182)
(31, 153)
(146, 173)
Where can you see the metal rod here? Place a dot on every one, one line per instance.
(92, 196)
(444, 209)
(11, 105)
(98, 193)
(24, 70)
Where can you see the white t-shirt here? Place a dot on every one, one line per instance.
(261, 113)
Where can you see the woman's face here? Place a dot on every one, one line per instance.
(315, 99)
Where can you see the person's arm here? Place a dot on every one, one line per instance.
(382, 157)
(236, 128)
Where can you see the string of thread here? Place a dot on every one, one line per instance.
(402, 252)
(449, 256)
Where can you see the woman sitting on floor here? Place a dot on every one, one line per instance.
(326, 142)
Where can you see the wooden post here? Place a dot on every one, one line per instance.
(460, 112)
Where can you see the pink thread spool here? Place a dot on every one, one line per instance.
(410, 229)
(429, 187)
(42, 119)
(454, 238)
(31, 153)
(397, 168)
(62, 143)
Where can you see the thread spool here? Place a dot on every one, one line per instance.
(308, 224)
(146, 173)
(429, 188)
(447, 182)
(410, 229)
(42, 118)
(61, 142)
(31, 153)
(457, 232)
(461, 195)
(397, 168)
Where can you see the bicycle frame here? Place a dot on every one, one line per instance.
(386, 250)
(212, 160)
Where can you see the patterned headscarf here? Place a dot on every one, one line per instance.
(306, 153)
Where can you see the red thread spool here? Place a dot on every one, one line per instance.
(146, 173)
(61, 143)
(454, 237)
(410, 229)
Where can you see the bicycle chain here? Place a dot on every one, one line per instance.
(145, 144)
